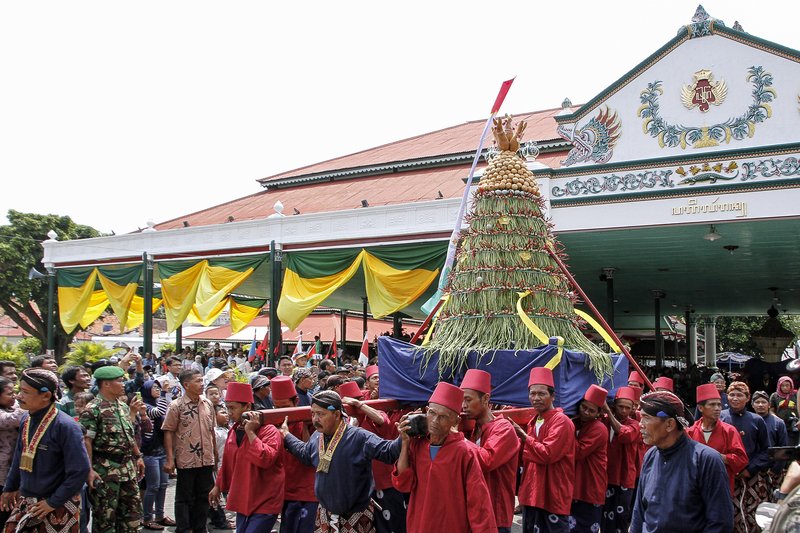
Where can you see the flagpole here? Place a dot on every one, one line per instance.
(597, 315)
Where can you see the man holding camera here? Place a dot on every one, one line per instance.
(253, 457)
(442, 467)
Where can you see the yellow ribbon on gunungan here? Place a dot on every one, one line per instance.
(538, 333)
(552, 363)
(600, 331)
(427, 338)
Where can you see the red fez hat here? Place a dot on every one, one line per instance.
(623, 393)
(541, 376)
(635, 377)
(239, 392)
(707, 392)
(596, 395)
(448, 395)
(283, 388)
(371, 370)
(350, 390)
(664, 383)
(479, 380)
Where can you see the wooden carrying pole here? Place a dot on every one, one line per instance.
(598, 316)
(303, 414)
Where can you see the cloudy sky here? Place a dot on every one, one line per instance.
(116, 113)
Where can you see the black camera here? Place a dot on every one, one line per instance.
(784, 453)
(247, 416)
(417, 425)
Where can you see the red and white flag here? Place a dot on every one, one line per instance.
(312, 352)
(363, 357)
(299, 347)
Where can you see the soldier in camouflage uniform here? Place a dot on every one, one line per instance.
(115, 457)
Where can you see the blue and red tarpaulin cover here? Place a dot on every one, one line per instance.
(406, 377)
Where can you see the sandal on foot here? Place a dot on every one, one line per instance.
(166, 521)
(153, 525)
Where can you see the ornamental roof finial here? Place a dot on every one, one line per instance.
(700, 15)
(737, 26)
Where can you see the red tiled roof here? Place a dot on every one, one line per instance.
(407, 186)
(322, 324)
(385, 189)
(453, 140)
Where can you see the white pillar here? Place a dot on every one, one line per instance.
(711, 340)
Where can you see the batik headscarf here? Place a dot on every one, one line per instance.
(664, 404)
(42, 380)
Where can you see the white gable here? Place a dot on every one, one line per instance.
(644, 115)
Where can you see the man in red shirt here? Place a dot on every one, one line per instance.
(623, 458)
(635, 381)
(498, 445)
(253, 457)
(591, 474)
(548, 458)
(372, 384)
(715, 433)
(664, 384)
(299, 509)
(442, 472)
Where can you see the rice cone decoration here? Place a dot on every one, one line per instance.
(501, 254)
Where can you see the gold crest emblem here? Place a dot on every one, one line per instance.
(704, 91)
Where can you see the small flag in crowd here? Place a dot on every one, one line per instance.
(263, 346)
(299, 347)
(253, 349)
(331, 354)
(363, 357)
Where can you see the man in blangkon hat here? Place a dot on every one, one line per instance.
(751, 483)
(392, 518)
(342, 455)
(50, 464)
(442, 472)
(683, 485)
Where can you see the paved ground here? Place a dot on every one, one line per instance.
(169, 508)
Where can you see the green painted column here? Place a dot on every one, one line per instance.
(51, 303)
(276, 262)
(147, 325)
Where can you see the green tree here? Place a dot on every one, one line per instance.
(23, 300)
(735, 333)
(87, 352)
(30, 345)
(10, 352)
